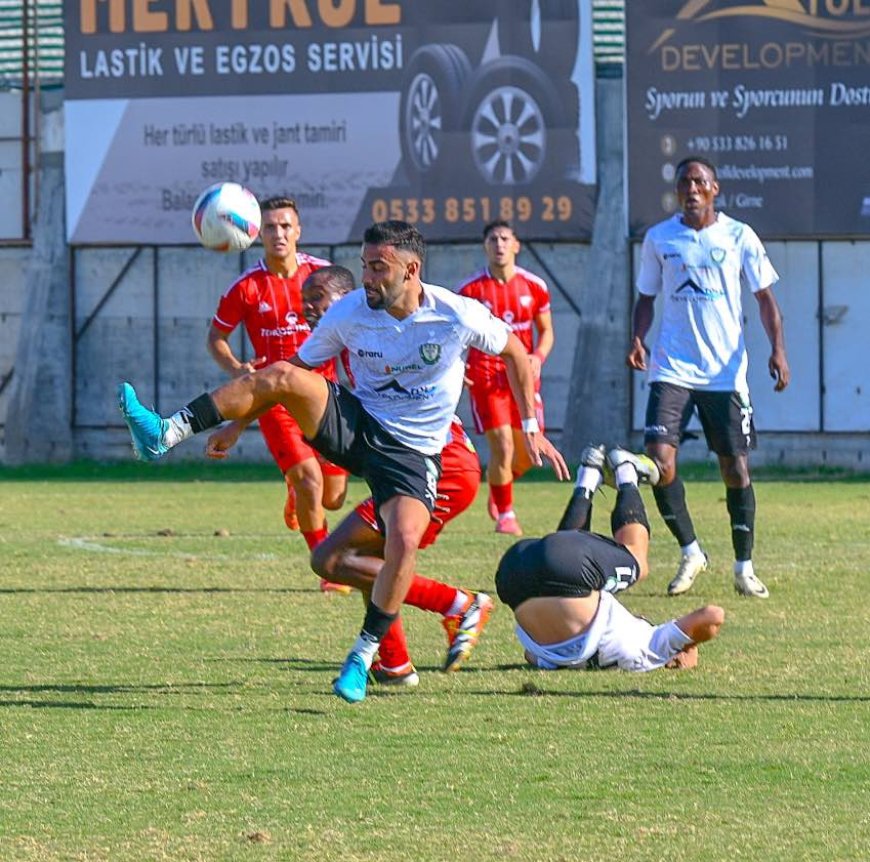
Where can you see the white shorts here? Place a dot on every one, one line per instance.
(614, 638)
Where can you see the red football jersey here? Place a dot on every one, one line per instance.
(270, 308)
(517, 302)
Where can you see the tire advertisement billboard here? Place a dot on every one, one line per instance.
(776, 93)
(447, 114)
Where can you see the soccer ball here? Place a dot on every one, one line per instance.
(226, 217)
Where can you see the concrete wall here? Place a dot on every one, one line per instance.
(74, 323)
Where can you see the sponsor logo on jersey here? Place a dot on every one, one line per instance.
(394, 391)
(398, 369)
(264, 307)
(691, 291)
(508, 317)
(369, 354)
(525, 301)
(430, 352)
(394, 385)
(293, 325)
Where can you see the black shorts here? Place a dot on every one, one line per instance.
(353, 439)
(726, 417)
(570, 563)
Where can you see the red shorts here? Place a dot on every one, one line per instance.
(456, 490)
(284, 438)
(494, 407)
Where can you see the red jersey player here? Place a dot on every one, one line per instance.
(267, 299)
(522, 300)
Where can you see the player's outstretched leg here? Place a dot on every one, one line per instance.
(590, 475)
(147, 428)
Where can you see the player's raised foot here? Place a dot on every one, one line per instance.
(747, 584)
(350, 684)
(147, 428)
(290, 518)
(491, 508)
(508, 524)
(647, 471)
(405, 677)
(691, 565)
(469, 626)
(331, 587)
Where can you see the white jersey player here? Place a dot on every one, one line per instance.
(562, 587)
(698, 262)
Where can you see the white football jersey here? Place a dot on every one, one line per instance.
(700, 275)
(614, 638)
(408, 373)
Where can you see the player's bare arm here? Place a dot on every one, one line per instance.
(642, 318)
(771, 320)
(545, 341)
(519, 374)
(219, 347)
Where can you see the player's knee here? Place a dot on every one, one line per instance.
(324, 560)
(735, 472)
(280, 377)
(309, 486)
(333, 499)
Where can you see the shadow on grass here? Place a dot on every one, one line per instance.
(533, 690)
(83, 689)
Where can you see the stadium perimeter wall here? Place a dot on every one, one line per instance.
(73, 322)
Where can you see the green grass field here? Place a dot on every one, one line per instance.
(165, 691)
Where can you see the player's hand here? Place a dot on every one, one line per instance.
(250, 366)
(777, 365)
(440, 508)
(221, 441)
(685, 659)
(540, 447)
(636, 357)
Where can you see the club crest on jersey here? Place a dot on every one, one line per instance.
(430, 353)
(718, 254)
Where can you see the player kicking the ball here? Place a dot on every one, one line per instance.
(562, 587)
(353, 553)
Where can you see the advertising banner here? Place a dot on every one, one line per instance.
(446, 114)
(776, 93)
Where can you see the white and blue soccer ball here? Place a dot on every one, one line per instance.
(226, 217)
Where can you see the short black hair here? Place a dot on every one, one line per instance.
(400, 234)
(489, 227)
(339, 279)
(280, 202)
(698, 160)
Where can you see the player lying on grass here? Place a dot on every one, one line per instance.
(561, 587)
(353, 552)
